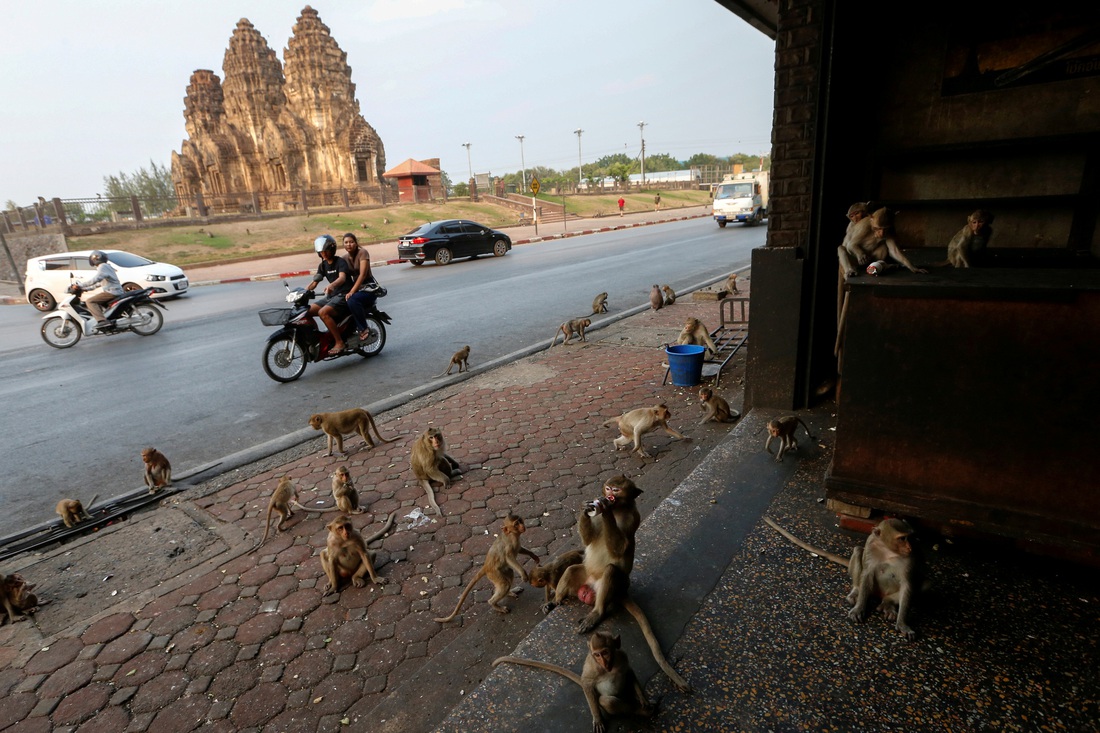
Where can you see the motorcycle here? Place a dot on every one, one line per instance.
(299, 341)
(132, 311)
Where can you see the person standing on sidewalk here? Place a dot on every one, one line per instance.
(622, 203)
(358, 298)
(657, 202)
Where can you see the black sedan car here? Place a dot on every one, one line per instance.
(442, 241)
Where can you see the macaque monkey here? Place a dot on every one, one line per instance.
(459, 359)
(609, 683)
(670, 294)
(338, 424)
(346, 555)
(430, 462)
(599, 304)
(636, 423)
(158, 471)
(870, 239)
(970, 239)
(72, 512)
(784, 428)
(717, 409)
(344, 493)
(500, 561)
(856, 213)
(607, 527)
(731, 283)
(282, 499)
(576, 326)
(695, 333)
(17, 591)
(886, 568)
(656, 299)
(548, 576)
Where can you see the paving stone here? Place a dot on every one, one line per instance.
(281, 649)
(259, 628)
(248, 652)
(122, 696)
(173, 621)
(140, 669)
(140, 722)
(293, 721)
(337, 693)
(71, 677)
(181, 716)
(259, 705)
(158, 692)
(177, 662)
(53, 657)
(160, 642)
(220, 709)
(272, 673)
(30, 683)
(234, 681)
(45, 706)
(82, 704)
(112, 719)
(237, 612)
(226, 633)
(308, 669)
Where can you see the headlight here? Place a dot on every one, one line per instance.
(155, 278)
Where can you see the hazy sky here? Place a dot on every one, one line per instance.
(91, 88)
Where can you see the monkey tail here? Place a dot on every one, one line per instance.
(462, 598)
(612, 421)
(639, 615)
(805, 546)
(267, 528)
(385, 528)
(370, 421)
(294, 503)
(811, 435)
(568, 674)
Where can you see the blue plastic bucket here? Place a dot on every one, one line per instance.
(685, 364)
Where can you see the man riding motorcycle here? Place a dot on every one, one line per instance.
(112, 288)
(333, 306)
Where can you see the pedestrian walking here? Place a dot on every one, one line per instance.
(657, 202)
(622, 203)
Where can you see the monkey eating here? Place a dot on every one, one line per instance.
(500, 562)
(72, 512)
(158, 471)
(17, 598)
(459, 359)
(784, 428)
(869, 239)
(344, 492)
(656, 300)
(346, 554)
(609, 683)
(430, 462)
(338, 424)
(636, 423)
(576, 326)
(695, 333)
(670, 294)
(548, 576)
(716, 408)
(599, 304)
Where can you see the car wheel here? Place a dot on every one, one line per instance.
(500, 248)
(721, 225)
(416, 263)
(42, 300)
(131, 287)
(443, 256)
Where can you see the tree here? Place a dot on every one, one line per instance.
(662, 162)
(701, 159)
(620, 172)
(607, 160)
(461, 189)
(446, 180)
(155, 183)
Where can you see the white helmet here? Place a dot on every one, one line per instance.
(324, 242)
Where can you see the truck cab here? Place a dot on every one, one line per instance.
(741, 197)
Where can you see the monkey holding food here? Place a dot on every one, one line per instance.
(346, 555)
(636, 423)
(716, 408)
(599, 304)
(870, 239)
(459, 359)
(430, 462)
(500, 562)
(576, 326)
(784, 428)
(15, 593)
(158, 471)
(344, 492)
(338, 424)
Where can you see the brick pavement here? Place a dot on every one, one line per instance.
(250, 643)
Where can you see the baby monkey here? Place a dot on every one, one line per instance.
(158, 471)
(547, 576)
(344, 493)
(72, 512)
(717, 409)
(459, 359)
(784, 428)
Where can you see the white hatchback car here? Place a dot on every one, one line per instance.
(49, 276)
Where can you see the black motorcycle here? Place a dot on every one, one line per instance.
(300, 341)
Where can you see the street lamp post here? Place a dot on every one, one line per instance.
(521, 161)
(471, 165)
(580, 177)
(641, 128)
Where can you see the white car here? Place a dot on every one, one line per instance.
(49, 276)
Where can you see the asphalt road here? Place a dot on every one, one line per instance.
(77, 419)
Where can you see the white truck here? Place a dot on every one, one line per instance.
(741, 197)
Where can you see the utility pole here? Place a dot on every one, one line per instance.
(522, 162)
(641, 128)
(580, 177)
(471, 165)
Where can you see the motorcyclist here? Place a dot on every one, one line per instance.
(333, 306)
(112, 288)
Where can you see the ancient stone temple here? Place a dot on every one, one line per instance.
(269, 130)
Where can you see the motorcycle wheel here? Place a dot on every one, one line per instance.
(284, 360)
(149, 313)
(60, 333)
(377, 342)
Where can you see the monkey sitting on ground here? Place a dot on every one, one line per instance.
(717, 409)
(670, 295)
(344, 493)
(459, 359)
(338, 424)
(971, 239)
(346, 554)
(500, 562)
(72, 512)
(784, 428)
(599, 304)
(430, 462)
(575, 326)
(608, 681)
(17, 597)
(656, 300)
(548, 576)
(731, 283)
(636, 423)
(695, 333)
(158, 471)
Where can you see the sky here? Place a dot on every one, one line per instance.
(91, 88)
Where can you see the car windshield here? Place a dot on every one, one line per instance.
(422, 229)
(734, 190)
(125, 259)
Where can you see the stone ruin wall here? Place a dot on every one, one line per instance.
(265, 130)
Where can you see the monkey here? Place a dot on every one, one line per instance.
(72, 512)
(158, 471)
(784, 428)
(9, 597)
(888, 568)
(656, 300)
(607, 527)
(430, 462)
(694, 332)
(548, 576)
(460, 359)
(731, 283)
(717, 409)
(282, 499)
(599, 304)
(344, 493)
(17, 590)
(500, 561)
(337, 424)
(969, 240)
(870, 239)
(636, 423)
(607, 679)
(576, 326)
(670, 295)
(346, 554)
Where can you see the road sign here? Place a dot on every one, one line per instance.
(535, 185)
